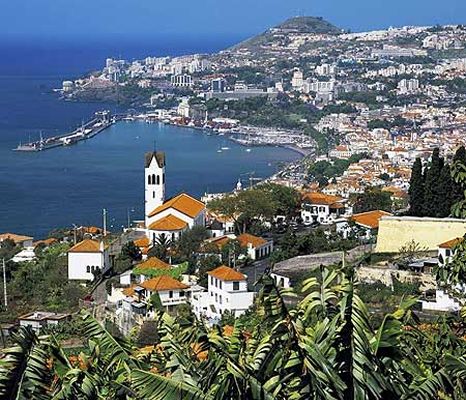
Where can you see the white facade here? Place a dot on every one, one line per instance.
(222, 296)
(154, 182)
(83, 264)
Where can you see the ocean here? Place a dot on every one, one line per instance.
(60, 187)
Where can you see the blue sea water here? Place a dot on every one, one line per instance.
(59, 187)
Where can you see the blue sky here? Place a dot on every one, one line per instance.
(147, 19)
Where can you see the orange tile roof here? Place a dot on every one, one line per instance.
(46, 242)
(162, 283)
(321, 198)
(183, 203)
(13, 236)
(219, 241)
(245, 239)
(225, 273)
(451, 243)
(129, 292)
(168, 223)
(86, 246)
(153, 263)
(143, 242)
(370, 218)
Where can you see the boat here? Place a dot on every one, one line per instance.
(219, 151)
(248, 150)
(225, 148)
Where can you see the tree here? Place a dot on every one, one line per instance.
(458, 188)
(373, 199)
(444, 194)
(287, 199)
(432, 192)
(416, 190)
(130, 250)
(161, 248)
(190, 242)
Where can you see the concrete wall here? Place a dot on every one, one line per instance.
(395, 232)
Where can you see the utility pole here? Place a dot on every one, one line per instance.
(104, 213)
(4, 285)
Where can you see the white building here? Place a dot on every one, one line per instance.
(227, 291)
(323, 209)
(85, 258)
(342, 151)
(38, 319)
(171, 217)
(364, 225)
(182, 80)
(257, 247)
(298, 79)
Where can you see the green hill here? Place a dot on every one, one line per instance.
(293, 25)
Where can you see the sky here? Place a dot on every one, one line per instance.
(152, 19)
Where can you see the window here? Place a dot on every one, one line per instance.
(216, 297)
(148, 179)
(158, 179)
(447, 252)
(153, 195)
(220, 298)
(153, 179)
(235, 285)
(216, 282)
(170, 294)
(220, 284)
(211, 280)
(182, 293)
(163, 179)
(88, 269)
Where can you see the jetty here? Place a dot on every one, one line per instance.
(101, 121)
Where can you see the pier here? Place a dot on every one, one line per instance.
(101, 121)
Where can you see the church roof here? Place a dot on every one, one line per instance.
(183, 203)
(168, 223)
(159, 156)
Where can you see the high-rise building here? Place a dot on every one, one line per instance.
(218, 85)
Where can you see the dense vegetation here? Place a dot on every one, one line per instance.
(324, 347)
(433, 191)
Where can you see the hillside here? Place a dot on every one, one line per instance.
(293, 25)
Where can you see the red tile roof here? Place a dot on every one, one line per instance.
(168, 223)
(162, 283)
(86, 246)
(245, 239)
(183, 203)
(450, 243)
(369, 219)
(225, 273)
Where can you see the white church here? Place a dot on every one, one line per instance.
(167, 217)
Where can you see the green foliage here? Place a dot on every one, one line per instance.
(42, 284)
(372, 199)
(436, 187)
(175, 271)
(325, 347)
(323, 171)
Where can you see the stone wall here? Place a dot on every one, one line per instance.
(395, 232)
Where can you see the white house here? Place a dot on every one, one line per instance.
(257, 247)
(171, 217)
(87, 257)
(172, 293)
(227, 290)
(364, 225)
(446, 250)
(323, 208)
(38, 319)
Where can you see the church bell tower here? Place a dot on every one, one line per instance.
(154, 182)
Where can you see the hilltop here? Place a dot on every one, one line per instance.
(296, 25)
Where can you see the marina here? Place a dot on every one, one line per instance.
(101, 121)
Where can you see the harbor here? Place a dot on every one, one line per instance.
(101, 121)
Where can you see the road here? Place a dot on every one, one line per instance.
(254, 272)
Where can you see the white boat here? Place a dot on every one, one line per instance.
(225, 148)
(219, 151)
(248, 150)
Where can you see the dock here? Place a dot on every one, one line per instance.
(101, 121)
